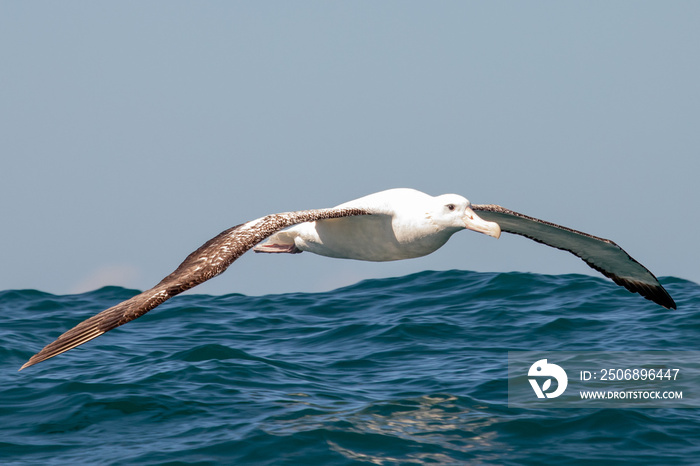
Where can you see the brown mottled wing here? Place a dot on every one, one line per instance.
(601, 254)
(211, 259)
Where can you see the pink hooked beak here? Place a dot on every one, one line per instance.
(476, 223)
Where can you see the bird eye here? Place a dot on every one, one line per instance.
(450, 206)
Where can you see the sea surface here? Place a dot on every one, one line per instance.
(398, 371)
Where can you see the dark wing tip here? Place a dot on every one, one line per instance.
(655, 293)
(81, 333)
(98, 324)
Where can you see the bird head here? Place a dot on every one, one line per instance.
(455, 211)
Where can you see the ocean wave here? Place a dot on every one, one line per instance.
(405, 370)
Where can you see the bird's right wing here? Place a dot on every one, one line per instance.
(208, 261)
(601, 254)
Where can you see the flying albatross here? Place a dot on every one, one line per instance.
(389, 225)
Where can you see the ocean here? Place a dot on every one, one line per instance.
(398, 371)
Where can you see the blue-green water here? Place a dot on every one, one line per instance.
(408, 370)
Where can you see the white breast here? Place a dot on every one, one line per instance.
(370, 238)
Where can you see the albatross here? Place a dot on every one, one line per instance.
(390, 225)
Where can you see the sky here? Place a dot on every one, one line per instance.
(132, 132)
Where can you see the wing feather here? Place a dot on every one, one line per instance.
(208, 261)
(601, 254)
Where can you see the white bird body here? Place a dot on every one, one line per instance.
(404, 224)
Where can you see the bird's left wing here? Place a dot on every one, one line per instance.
(211, 259)
(601, 254)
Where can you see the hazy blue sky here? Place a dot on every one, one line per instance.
(132, 132)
